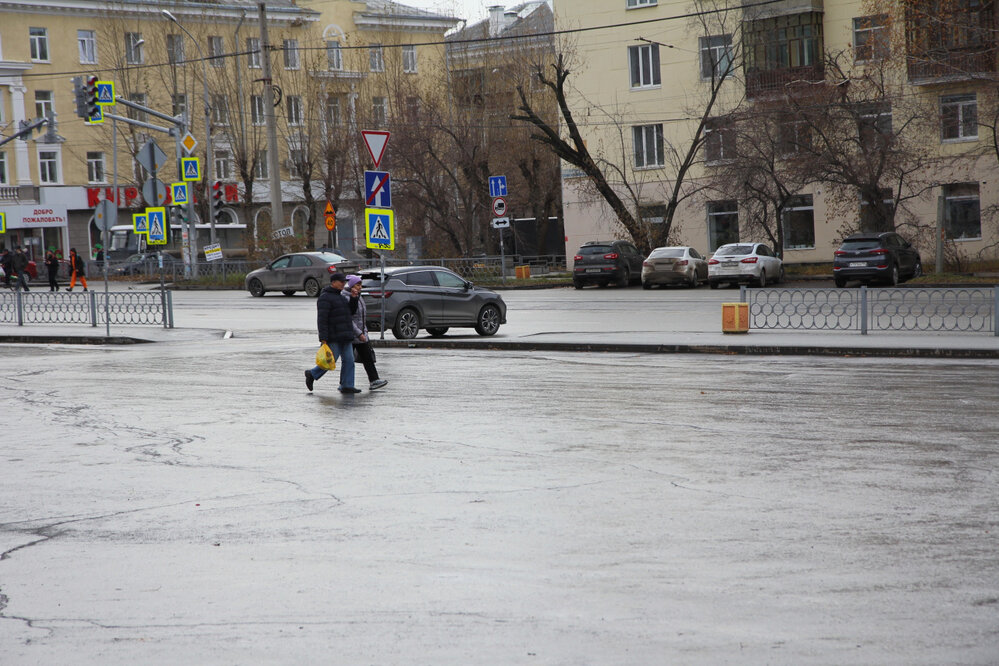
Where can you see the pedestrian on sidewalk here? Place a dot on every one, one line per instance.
(363, 351)
(333, 319)
(77, 266)
(52, 265)
(6, 262)
(20, 265)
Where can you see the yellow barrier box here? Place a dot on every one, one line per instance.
(522, 272)
(735, 317)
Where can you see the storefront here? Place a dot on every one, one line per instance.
(36, 228)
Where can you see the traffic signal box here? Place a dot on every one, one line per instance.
(217, 201)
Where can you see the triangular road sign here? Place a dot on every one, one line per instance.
(376, 141)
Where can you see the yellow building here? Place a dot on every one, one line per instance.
(642, 73)
(328, 59)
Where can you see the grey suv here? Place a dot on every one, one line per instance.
(429, 297)
(603, 262)
(883, 257)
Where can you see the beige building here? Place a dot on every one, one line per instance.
(330, 60)
(642, 75)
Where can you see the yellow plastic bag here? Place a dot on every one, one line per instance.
(324, 358)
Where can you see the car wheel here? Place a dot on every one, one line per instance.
(288, 292)
(603, 283)
(489, 320)
(840, 282)
(256, 287)
(407, 324)
(762, 280)
(893, 276)
(625, 278)
(712, 284)
(780, 276)
(312, 287)
(692, 282)
(437, 331)
(577, 284)
(917, 270)
(646, 285)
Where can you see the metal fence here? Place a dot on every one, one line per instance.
(87, 307)
(951, 309)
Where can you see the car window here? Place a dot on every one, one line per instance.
(300, 261)
(695, 254)
(420, 278)
(282, 262)
(735, 249)
(629, 248)
(448, 279)
(594, 249)
(764, 251)
(661, 253)
(861, 244)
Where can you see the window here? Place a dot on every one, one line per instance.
(963, 219)
(959, 117)
(631, 4)
(95, 167)
(376, 58)
(220, 110)
(653, 213)
(39, 44)
(86, 40)
(253, 52)
(175, 49)
(723, 224)
(420, 278)
(719, 141)
(379, 110)
(43, 103)
(3, 169)
(799, 223)
(783, 42)
(133, 48)
(292, 57)
(644, 63)
(716, 56)
(216, 50)
(412, 109)
(874, 122)
(449, 280)
(48, 166)
(334, 55)
(296, 158)
(871, 217)
(257, 116)
(179, 104)
(294, 110)
(793, 136)
(223, 165)
(648, 141)
(870, 38)
(260, 165)
(334, 110)
(409, 59)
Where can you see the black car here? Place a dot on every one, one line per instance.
(603, 262)
(429, 297)
(876, 257)
(147, 264)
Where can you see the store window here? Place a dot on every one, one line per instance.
(723, 224)
(799, 223)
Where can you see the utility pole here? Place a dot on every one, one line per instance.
(274, 164)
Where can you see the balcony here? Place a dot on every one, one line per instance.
(950, 66)
(767, 83)
(19, 193)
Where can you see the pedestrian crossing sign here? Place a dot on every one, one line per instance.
(190, 168)
(178, 193)
(105, 93)
(3, 223)
(156, 219)
(97, 118)
(139, 223)
(379, 228)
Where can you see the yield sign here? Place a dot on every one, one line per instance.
(375, 140)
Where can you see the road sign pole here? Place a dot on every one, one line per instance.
(382, 327)
(502, 260)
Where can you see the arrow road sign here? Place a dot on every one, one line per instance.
(499, 206)
(501, 222)
(379, 228)
(497, 186)
(375, 140)
(377, 189)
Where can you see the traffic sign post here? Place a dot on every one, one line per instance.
(3, 223)
(497, 186)
(156, 221)
(499, 207)
(178, 193)
(329, 219)
(105, 93)
(377, 189)
(139, 224)
(190, 169)
(375, 140)
(379, 228)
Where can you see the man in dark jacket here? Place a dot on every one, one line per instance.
(20, 266)
(333, 319)
(7, 260)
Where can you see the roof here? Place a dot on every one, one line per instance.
(528, 18)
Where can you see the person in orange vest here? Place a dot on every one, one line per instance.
(76, 265)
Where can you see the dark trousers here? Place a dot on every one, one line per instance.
(53, 285)
(364, 354)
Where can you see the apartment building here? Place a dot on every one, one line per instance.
(874, 119)
(328, 60)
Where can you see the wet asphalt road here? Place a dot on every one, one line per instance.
(192, 502)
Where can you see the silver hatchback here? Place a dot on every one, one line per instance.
(298, 271)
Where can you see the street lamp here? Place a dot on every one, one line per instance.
(210, 156)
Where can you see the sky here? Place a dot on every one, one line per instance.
(472, 10)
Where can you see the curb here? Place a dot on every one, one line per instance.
(72, 340)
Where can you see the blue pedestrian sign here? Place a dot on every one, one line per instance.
(377, 189)
(190, 168)
(497, 186)
(178, 193)
(379, 227)
(105, 93)
(139, 223)
(97, 118)
(3, 223)
(156, 219)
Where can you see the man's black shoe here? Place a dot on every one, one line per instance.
(350, 389)
(309, 379)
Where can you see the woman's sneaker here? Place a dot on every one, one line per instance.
(377, 384)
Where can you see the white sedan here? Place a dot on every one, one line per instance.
(750, 263)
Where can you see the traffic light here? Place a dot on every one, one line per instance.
(217, 196)
(90, 97)
(177, 216)
(80, 97)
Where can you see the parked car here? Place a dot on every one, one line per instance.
(876, 257)
(431, 298)
(750, 263)
(674, 265)
(603, 262)
(142, 264)
(308, 271)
